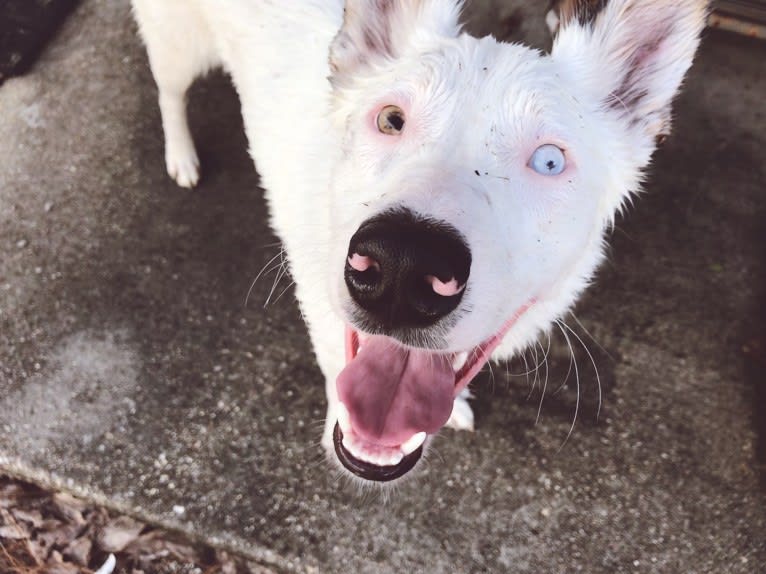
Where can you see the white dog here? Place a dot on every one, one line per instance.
(441, 198)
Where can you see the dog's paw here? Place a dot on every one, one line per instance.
(183, 167)
(462, 414)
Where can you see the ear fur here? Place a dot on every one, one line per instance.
(375, 30)
(631, 55)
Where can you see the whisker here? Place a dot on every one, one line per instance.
(261, 272)
(283, 292)
(592, 338)
(537, 368)
(593, 362)
(526, 364)
(572, 361)
(493, 386)
(534, 380)
(577, 382)
(545, 384)
(268, 271)
(280, 274)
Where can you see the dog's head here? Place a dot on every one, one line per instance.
(476, 182)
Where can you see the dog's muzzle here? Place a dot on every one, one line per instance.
(404, 271)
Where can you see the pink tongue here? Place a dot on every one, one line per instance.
(392, 392)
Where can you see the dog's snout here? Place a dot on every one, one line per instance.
(406, 271)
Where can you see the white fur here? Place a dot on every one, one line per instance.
(462, 414)
(472, 106)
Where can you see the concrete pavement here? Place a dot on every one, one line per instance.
(132, 371)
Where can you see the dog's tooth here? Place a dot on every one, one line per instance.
(459, 360)
(395, 458)
(350, 446)
(413, 443)
(370, 457)
(344, 418)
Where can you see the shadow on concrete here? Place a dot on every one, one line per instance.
(754, 351)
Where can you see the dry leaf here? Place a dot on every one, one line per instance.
(36, 552)
(158, 546)
(9, 495)
(58, 535)
(47, 533)
(33, 518)
(78, 551)
(118, 533)
(14, 557)
(56, 565)
(68, 508)
(13, 532)
(6, 518)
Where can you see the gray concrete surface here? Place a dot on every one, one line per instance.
(131, 369)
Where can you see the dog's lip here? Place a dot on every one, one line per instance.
(368, 470)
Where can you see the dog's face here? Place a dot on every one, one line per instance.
(476, 182)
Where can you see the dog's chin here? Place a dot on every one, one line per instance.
(395, 398)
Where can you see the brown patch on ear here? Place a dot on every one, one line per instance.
(635, 53)
(630, 94)
(381, 41)
(584, 11)
(365, 34)
(375, 31)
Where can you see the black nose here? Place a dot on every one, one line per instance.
(405, 270)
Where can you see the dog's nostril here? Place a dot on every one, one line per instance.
(363, 274)
(362, 263)
(434, 299)
(445, 289)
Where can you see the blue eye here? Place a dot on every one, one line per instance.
(548, 159)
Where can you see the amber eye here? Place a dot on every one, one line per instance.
(391, 120)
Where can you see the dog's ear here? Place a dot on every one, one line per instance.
(630, 56)
(386, 29)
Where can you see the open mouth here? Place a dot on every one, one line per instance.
(393, 397)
